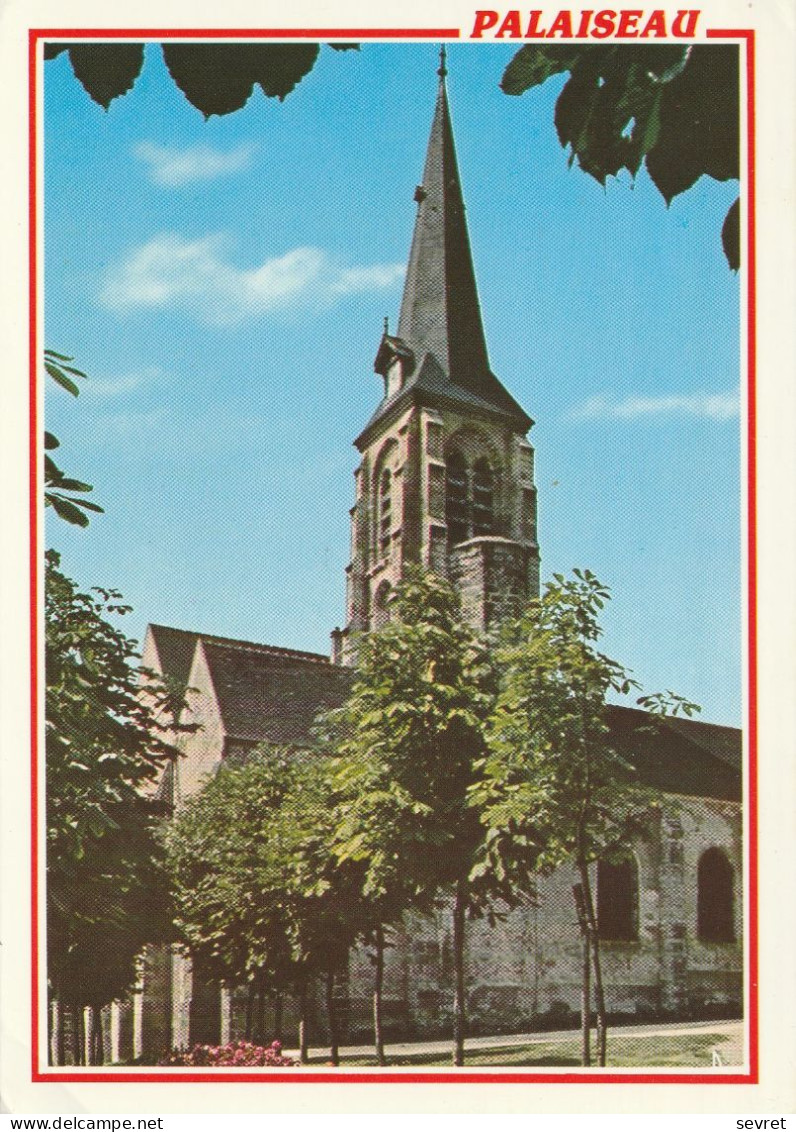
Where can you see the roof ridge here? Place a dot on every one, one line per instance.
(243, 645)
(236, 645)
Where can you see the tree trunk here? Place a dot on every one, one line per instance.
(378, 987)
(599, 1002)
(99, 1037)
(261, 1034)
(459, 1006)
(303, 1052)
(278, 1015)
(76, 1013)
(89, 1036)
(56, 1033)
(331, 1015)
(585, 1003)
(599, 990)
(585, 984)
(247, 1026)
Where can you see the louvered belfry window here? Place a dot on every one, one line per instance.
(482, 498)
(457, 503)
(469, 502)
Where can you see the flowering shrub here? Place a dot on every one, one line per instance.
(236, 1055)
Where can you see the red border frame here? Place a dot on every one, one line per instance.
(583, 1077)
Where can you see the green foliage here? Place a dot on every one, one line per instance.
(70, 507)
(105, 745)
(259, 899)
(553, 775)
(676, 107)
(407, 742)
(552, 772)
(216, 78)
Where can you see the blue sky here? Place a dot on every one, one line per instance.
(224, 284)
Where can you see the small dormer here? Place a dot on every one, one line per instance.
(395, 362)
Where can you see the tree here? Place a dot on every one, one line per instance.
(216, 78)
(71, 507)
(674, 107)
(410, 739)
(552, 772)
(105, 746)
(260, 901)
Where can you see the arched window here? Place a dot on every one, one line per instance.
(715, 897)
(617, 899)
(482, 498)
(456, 498)
(385, 512)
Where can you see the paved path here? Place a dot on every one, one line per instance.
(726, 1028)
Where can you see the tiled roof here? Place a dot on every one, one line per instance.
(680, 756)
(272, 694)
(176, 649)
(430, 386)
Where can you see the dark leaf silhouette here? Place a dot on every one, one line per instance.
(674, 106)
(731, 235)
(216, 78)
(72, 508)
(107, 70)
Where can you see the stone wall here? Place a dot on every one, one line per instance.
(495, 578)
(522, 973)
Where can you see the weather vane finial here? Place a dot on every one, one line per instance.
(443, 55)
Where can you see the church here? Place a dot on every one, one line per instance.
(446, 479)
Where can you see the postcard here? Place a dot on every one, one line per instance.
(399, 623)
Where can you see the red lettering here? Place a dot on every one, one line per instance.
(561, 25)
(583, 26)
(510, 28)
(628, 19)
(685, 22)
(533, 31)
(603, 24)
(655, 25)
(484, 20)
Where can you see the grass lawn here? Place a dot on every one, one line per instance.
(624, 1051)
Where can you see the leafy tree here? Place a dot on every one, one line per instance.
(674, 107)
(259, 899)
(552, 772)
(57, 484)
(411, 737)
(105, 746)
(216, 78)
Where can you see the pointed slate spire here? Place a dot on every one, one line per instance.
(440, 313)
(440, 337)
(439, 340)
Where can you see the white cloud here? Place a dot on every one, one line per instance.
(714, 406)
(136, 425)
(356, 279)
(195, 275)
(122, 383)
(177, 167)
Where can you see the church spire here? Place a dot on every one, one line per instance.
(440, 313)
(440, 342)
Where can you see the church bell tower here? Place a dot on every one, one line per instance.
(446, 471)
